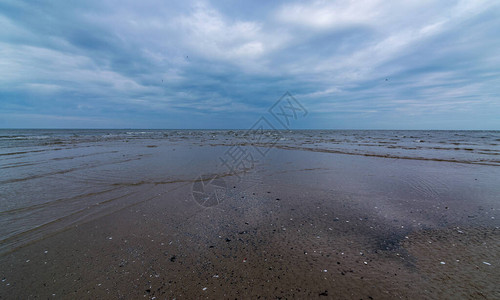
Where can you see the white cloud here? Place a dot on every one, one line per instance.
(213, 36)
(322, 93)
(206, 32)
(328, 14)
(396, 29)
(32, 67)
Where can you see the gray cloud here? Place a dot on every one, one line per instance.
(360, 64)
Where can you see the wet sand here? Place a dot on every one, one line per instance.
(300, 225)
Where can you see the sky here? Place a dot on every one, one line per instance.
(364, 64)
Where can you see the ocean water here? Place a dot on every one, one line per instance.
(52, 179)
(476, 147)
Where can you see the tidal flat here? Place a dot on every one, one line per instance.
(160, 217)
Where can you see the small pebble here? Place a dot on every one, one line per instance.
(443, 263)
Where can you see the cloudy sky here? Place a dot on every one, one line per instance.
(364, 64)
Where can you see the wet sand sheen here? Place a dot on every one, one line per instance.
(310, 225)
(244, 252)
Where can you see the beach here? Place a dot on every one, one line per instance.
(164, 215)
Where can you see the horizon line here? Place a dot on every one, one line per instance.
(239, 129)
